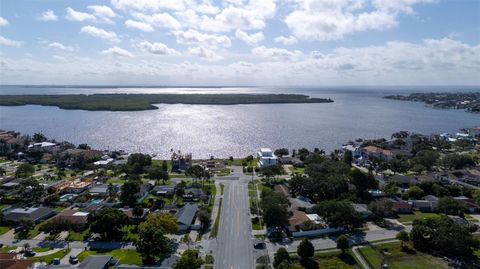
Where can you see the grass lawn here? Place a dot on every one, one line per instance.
(4, 229)
(41, 249)
(333, 260)
(221, 188)
(406, 218)
(396, 258)
(126, 256)
(115, 180)
(256, 224)
(78, 236)
(49, 258)
(7, 249)
(297, 170)
(130, 233)
(214, 231)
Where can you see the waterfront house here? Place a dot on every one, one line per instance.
(376, 152)
(181, 162)
(266, 157)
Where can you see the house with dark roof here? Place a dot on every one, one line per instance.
(164, 190)
(185, 216)
(302, 204)
(403, 181)
(35, 214)
(362, 209)
(193, 193)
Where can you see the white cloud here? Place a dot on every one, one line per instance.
(9, 42)
(102, 11)
(156, 48)
(116, 51)
(148, 5)
(100, 33)
(251, 16)
(195, 37)
(277, 54)
(48, 15)
(290, 40)
(251, 39)
(73, 15)
(3, 22)
(333, 19)
(145, 27)
(59, 46)
(163, 20)
(60, 58)
(202, 52)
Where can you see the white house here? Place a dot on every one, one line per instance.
(266, 157)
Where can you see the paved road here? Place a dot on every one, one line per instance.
(234, 248)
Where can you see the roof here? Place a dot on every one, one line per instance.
(95, 262)
(194, 191)
(99, 188)
(10, 261)
(401, 179)
(31, 213)
(373, 149)
(361, 208)
(73, 216)
(431, 198)
(300, 203)
(297, 218)
(186, 214)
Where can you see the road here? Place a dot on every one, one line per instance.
(234, 243)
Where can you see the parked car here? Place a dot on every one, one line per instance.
(56, 261)
(73, 259)
(260, 245)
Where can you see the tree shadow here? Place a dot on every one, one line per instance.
(347, 258)
(309, 264)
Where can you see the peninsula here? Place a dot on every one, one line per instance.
(468, 101)
(135, 102)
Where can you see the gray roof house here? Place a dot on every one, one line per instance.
(186, 215)
(164, 189)
(362, 209)
(403, 181)
(193, 193)
(35, 214)
(99, 189)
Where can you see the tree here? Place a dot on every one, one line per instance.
(2, 171)
(39, 137)
(112, 191)
(443, 236)
(165, 166)
(450, 206)
(204, 217)
(403, 237)
(137, 212)
(129, 193)
(281, 256)
(305, 249)
(108, 223)
(152, 242)
(26, 225)
(342, 243)
(281, 152)
(339, 214)
(157, 173)
(348, 157)
(166, 221)
(363, 182)
(25, 170)
(390, 188)
(31, 190)
(83, 146)
(270, 171)
(196, 172)
(415, 192)
(190, 259)
(381, 208)
(137, 162)
(275, 208)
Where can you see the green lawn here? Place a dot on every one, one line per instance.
(7, 249)
(396, 258)
(4, 229)
(49, 258)
(130, 233)
(297, 170)
(214, 231)
(126, 256)
(78, 236)
(406, 218)
(41, 249)
(256, 224)
(333, 260)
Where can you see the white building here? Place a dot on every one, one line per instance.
(266, 157)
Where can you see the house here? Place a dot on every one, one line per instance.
(266, 157)
(458, 220)
(185, 216)
(11, 261)
(400, 206)
(470, 203)
(164, 190)
(281, 188)
(376, 152)
(302, 204)
(73, 216)
(474, 131)
(362, 209)
(193, 193)
(181, 162)
(45, 146)
(297, 221)
(129, 213)
(354, 149)
(99, 189)
(35, 214)
(425, 205)
(73, 186)
(143, 192)
(403, 181)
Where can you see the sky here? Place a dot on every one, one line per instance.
(240, 42)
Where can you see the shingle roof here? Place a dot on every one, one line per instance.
(186, 214)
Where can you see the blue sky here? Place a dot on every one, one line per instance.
(240, 42)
